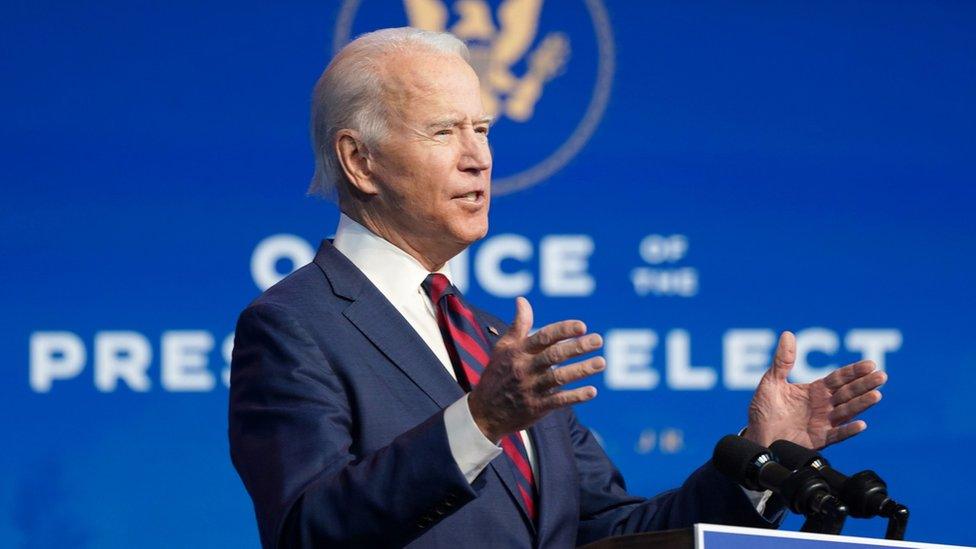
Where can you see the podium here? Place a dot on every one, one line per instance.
(714, 536)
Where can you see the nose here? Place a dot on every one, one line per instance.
(475, 152)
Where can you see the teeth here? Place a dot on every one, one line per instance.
(470, 196)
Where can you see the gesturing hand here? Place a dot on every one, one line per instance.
(811, 414)
(518, 387)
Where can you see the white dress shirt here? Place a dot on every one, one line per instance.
(398, 276)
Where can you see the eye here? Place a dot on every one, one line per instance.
(483, 130)
(445, 131)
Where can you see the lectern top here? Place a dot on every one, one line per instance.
(714, 536)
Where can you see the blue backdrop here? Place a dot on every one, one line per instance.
(692, 179)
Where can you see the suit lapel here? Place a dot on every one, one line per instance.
(543, 442)
(377, 319)
(502, 465)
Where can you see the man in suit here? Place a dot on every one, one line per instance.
(371, 405)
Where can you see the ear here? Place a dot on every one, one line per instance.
(354, 158)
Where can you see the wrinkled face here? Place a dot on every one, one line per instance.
(434, 166)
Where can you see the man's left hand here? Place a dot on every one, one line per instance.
(813, 414)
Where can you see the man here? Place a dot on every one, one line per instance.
(371, 405)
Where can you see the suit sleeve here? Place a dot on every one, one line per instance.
(607, 509)
(290, 431)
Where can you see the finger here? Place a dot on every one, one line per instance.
(858, 387)
(842, 376)
(567, 349)
(552, 334)
(523, 318)
(557, 377)
(845, 412)
(845, 431)
(568, 398)
(785, 356)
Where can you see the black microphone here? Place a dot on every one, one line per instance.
(751, 465)
(865, 493)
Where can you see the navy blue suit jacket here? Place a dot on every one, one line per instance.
(337, 431)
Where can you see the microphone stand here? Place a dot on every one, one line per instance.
(897, 520)
(825, 514)
(833, 523)
(865, 492)
(868, 483)
(822, 524)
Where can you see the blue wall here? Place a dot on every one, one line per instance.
(805, 166)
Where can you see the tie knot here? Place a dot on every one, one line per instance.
(437, 286)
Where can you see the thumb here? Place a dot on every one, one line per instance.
(523, 318)
(785, 356)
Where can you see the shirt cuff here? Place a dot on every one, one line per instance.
(761, 500)
(472, 451)
(758, 499)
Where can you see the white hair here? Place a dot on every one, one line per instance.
(349, 95)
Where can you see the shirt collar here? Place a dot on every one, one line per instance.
(394, 272)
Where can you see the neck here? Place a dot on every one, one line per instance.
(426, 252)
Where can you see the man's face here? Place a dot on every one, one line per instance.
(433, 168)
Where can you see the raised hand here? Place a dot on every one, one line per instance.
(813, 414)
(519, 386)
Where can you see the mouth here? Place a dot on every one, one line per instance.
(473, 197)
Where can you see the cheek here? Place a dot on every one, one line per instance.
(407, 179)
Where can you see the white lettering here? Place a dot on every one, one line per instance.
(54, 355)
(680, 373)
(185, 361)
(227, 350)
(809, 341)
(271, 250)
(656, 249)
(680, 282)
(488, 265)
(746, 354)
(564, 264)
(628, 354)
(121, 355)
(873, 344)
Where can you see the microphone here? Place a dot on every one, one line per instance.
(751, 465)
(864, 492)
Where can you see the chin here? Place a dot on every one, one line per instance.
(471, 231)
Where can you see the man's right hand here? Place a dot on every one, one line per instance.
(519, 386)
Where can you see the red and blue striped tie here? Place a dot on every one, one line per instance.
(469, 350)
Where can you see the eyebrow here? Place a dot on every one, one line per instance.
(456, 121)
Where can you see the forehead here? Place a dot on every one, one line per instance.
(419, 85)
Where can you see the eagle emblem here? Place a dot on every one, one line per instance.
(495, 50)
